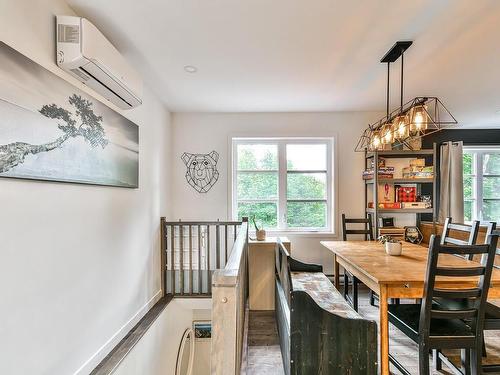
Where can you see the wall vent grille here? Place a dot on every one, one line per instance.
(68, 33)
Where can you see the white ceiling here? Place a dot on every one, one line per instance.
(308, 55)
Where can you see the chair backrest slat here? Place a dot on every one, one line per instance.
(475, 297)
(357, 231)
(463, 250)
(460, 293)
(457, 272)
(461, 227)
(454, 314)
(367, 231)
(356, 221)
(455, 241)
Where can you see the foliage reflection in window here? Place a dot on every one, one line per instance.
(284, 183)
(481, 184)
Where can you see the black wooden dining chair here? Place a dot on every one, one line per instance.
(491, 318)
(436, 326)
(368, 234)
(492, 314)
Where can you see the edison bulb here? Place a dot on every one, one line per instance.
(386, 135)
(376, 141)
(419, 119)
(400, 128)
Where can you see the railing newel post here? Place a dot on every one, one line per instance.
(163, 256)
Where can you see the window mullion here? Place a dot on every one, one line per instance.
(234, 182)
(479, 186)
(282, 186)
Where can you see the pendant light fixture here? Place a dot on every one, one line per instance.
(409, 122)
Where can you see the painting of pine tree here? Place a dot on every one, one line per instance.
(50, 130)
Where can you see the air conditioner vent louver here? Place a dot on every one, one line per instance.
(68, 33)
(80, 74)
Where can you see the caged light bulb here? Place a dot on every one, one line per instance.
(376, 141)
(400, 127)
(419, 119)
(386, 135)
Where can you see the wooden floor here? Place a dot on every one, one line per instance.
(264, 356)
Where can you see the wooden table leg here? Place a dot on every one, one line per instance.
(384, 331)
(336, 278)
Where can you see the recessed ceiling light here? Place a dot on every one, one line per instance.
(190, 69)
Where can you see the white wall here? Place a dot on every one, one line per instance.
(202, 346)
(156, 352)
(203, 132)
(77, 262)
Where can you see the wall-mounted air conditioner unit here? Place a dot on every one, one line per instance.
(87, 55)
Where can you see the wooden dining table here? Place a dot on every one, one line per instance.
(396, 277)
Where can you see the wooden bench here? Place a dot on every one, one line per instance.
(319, 332)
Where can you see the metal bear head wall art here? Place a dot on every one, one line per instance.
(201, 171)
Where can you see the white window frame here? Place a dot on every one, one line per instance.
(282, 171)
(477, 178)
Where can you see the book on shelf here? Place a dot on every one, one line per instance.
(414, 205)
(380, 175)
(419, 162)
(390, 205)
(383, 172)
(416, 172)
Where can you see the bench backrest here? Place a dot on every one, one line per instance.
(349, 345)
(283, 274)
(325, 343)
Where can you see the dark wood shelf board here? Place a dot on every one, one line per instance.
(400, 153)
(403, 180)
(402, 210)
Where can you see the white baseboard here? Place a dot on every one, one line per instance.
(104, 350)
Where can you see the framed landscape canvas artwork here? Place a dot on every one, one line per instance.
(50, 130)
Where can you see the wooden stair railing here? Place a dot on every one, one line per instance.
(191, 251)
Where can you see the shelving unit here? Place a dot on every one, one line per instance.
(428, 154)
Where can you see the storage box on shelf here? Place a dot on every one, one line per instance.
(403, 184)
(394, 232)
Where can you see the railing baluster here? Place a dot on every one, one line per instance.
(199, 260)
(217, 245)
(209, 275)
(190, 260)
(181, 257)
(225, 243)
(172, 257)
(235, 232)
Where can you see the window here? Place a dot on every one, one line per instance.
(482, 184)
(285, 183)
